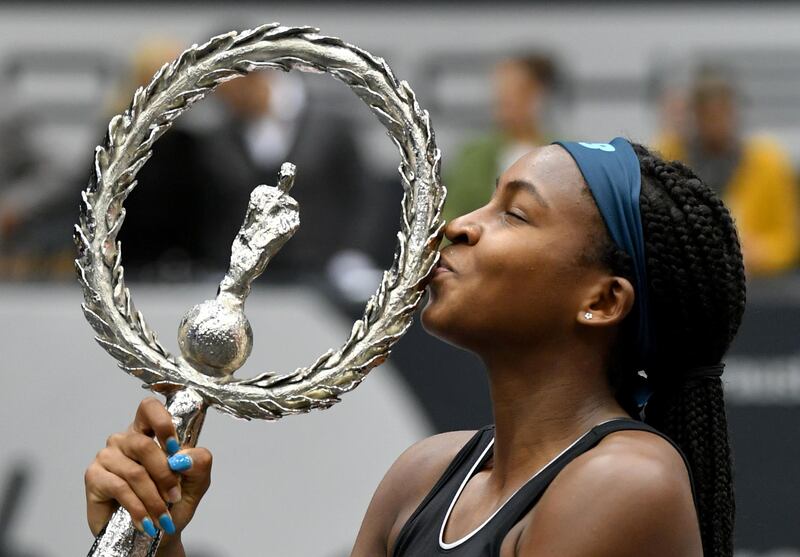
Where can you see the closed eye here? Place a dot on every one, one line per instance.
(516, 215)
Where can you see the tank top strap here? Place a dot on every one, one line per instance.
(529, 494)
(628, 424)
(463, 459)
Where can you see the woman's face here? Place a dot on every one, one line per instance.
(514, 272)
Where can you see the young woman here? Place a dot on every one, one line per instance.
(590, 263)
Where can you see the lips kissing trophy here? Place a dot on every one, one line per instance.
(215, 337)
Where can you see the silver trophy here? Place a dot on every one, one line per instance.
(215, 337)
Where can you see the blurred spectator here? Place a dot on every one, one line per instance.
(34, 235)
(193, 192)
(38, 205)
(163, 231)
(752, 174)
(17, 161)
(270, 120)
(522, 86)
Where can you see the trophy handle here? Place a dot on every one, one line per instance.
(120, 538)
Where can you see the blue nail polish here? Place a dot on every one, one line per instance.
(179, 462)
(149, 529)
(173, 446)
(166, 523)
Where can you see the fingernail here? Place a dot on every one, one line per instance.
(173, 446)
(149, 528)
(166, 523)
(174, 495)
(180, 462)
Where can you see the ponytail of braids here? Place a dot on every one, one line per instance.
(696, 288)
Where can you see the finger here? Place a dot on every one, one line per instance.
(139, 482)
(104, 493)
(100, 505)
(194, 483)
(153, 419)
(197, 477)
(141, 449)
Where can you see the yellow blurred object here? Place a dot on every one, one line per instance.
(58, 266)
(763, 199)
(146, 59)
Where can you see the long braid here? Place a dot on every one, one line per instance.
(697, 295)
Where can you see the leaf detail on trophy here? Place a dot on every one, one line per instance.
(323, 360)
(218, 76)
(250, 36)
(116, 130)
(126, 178)
(81, 243)
(279, 32)
(86, 217)
(115, 209)
(270, 379)
(385, 118)
(123, 356)
(98, 324)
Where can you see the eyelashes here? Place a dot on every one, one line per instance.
(514, 216)
(517, 212)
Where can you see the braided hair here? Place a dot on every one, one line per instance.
(696, 287)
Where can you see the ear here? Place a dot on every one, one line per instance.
(609, 302)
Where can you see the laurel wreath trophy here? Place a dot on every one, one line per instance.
(215, 337)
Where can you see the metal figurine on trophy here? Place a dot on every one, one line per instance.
(215, 337)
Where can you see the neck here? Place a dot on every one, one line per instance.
(542, 403)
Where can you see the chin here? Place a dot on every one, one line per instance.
(431, 316)
(441, 323)
(428, 322)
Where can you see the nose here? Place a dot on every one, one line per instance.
(463, 230)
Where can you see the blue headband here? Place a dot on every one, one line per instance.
(614, 177)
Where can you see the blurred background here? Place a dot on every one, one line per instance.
(716, 84)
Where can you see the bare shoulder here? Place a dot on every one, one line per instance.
(403, 488)
(417, 470)
(632, 454)
(432, 454)
(629, 492)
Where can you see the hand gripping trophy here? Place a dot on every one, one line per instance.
(215, 337)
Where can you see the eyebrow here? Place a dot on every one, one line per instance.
(528, 187)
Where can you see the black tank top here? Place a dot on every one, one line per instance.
(423, 534)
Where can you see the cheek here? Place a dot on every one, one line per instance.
(538, 293)
(458, 309)
(477, 305)
(511, 293)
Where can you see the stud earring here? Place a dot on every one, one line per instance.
(588, 315)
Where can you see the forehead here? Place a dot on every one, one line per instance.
(556, 175)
